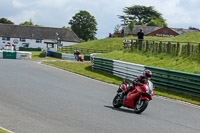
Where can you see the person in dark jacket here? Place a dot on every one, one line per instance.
(140, 37)
(140, 34)
(76, 54)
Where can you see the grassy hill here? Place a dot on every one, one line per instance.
(116, 43)
(112, 43)
(192, 37)
(187, 64)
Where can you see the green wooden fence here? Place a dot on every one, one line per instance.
(170, 47)
(66, 56)
(70, 49)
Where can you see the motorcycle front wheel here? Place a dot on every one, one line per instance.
(117, 101)
(140, 106)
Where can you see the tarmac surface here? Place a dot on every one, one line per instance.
(36, 98)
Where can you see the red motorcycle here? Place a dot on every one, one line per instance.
(137, 98)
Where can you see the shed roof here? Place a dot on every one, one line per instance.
(150, 29)
(181, 31)
(35, 32)
(146, 29)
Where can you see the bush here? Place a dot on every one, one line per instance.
(43, 54)
(29, 49)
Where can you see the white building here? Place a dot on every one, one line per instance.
(35, 37)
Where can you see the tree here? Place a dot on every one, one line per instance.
(5, 21)
(157, 22)
(84, 25)
(29, 23)
(117, 28)
(131, 25)
(141, 14)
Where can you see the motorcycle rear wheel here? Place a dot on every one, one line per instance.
(117, 101)
(140, 107)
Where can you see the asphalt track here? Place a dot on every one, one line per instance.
(36, 98)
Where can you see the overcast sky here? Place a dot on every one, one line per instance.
(57, 13)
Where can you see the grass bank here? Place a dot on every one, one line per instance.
(190, 37)
(111, 43)
(3, 131)
(86, 70)
(185, 64)
(189, 64)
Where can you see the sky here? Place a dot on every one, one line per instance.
(58, 13)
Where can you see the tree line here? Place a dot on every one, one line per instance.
(85, 25)
(6, 21)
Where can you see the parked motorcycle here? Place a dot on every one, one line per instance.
(137, 98)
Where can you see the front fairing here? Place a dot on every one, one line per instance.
(146, 88)
(121, 87)
(151, 88)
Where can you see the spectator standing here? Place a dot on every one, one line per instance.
(110, 35)
(140, 36)
(122, 33)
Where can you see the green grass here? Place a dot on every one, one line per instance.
(179, 63)
(187, 64)
(191, 37)
(111, 43)
(86, 70)
(3, 131)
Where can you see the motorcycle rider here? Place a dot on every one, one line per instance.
(76, 54)
(146, 76)
(140, 80)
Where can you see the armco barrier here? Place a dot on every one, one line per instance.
(15, 55)
(9, 54)
(66, 56)
(56, 55)
(182, 82)
(86, 58)
(1, 54)
(23, 55)
(127, 70)
(118, 68)
(103, 64)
